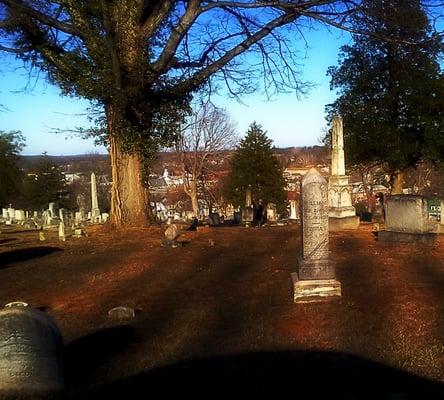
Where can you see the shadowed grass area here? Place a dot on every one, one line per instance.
(21, 255)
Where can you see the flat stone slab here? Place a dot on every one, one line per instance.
(430, 239)
(343, 223)
(316, 290)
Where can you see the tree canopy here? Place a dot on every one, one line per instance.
(11, 143)
(391, 88)
(254, 166)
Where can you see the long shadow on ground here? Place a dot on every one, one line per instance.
(20, 255)
(293, 374)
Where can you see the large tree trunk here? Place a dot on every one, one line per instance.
(193, 195)
(397, 182)
(129, 198)
(190, 188)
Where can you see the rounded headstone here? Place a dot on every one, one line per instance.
(30, 353)
(121, 313)
(172, 232)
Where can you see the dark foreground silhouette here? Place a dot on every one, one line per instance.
(286, 375)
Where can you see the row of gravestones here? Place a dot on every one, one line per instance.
(48, 217)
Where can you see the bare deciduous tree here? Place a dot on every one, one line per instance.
(208, 132)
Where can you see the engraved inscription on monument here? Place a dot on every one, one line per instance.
(315, 263)
(30, 353)
(314, 280)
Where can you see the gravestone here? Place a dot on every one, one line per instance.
(341, 212)
(121, 313)
(248, 211)
(95, 211)
(30, 354)
(315, 279)
(5, 213)
(19, 215)
(51, 208)
(407, 220)
(62, 236)
(171, 235)
(294, 210)
(271, 212)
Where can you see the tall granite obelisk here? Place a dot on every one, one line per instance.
(342, 214)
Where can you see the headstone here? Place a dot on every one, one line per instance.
(214, 219)
(51, 208)
(229, 211)
(104, 217)
(30, 354)
(47, 219)
(407, 220)
(248, 211)
(42, 236)
(95, 211)
(271, 212)
(121, 313)
(62, 214)
(19, 215)
(171, 235)
(78, 233)
(315, 279)
(11, 213)
(62, 236)
(5, 213)
(342, 213)
(294, 210)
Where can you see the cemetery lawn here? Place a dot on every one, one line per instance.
(216, 317)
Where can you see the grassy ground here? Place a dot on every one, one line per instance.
(219, 319)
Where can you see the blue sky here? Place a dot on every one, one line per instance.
(289, 121)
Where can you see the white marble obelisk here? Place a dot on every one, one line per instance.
(95, 211)
(342, 214)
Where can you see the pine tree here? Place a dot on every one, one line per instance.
(44, 185)
(11, 143)
(254, 165)
(391, 89)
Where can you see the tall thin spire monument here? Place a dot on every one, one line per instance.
(342, 214)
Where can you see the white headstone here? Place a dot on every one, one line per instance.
(293, 210)
(51, 208)
(19, 215)
(95, 211)
(62, 231)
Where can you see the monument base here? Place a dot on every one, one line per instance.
(315, 290)
(339, 224)
(315, 269)
(424, 238)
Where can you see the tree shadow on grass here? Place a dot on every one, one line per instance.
(83, 357)
(20, 255)
(287, 374)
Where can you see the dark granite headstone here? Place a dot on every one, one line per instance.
(30, 353)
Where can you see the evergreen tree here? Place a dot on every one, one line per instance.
(391, 89)
(11, 143)
(45, 185)
(254, 165)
